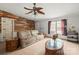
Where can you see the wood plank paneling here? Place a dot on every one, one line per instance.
(20, 23)
(24, 25)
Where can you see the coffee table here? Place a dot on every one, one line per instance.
(54, 47)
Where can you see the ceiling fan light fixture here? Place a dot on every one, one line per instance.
(34, 3)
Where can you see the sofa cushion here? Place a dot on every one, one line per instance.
(28, 34)
(22, 35)
(34, 32)
(25, 34)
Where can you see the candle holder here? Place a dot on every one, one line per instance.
(54, 38)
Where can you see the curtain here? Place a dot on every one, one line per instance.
(64, 26)
(49, 25)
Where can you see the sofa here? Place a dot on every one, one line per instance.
(29, 37)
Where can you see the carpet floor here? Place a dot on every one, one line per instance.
(38, 48)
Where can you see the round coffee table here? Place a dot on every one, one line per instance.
(54, 47)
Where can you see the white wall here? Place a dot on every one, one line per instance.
(42, 26)
(71, 19)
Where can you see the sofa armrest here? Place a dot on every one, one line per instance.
(40, 37)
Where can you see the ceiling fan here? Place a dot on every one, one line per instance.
(35, 10)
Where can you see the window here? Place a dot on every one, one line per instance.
(56, 27)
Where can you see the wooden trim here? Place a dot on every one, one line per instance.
(7, 14)
(10, 15)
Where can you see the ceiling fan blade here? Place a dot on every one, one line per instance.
(39, 8)
(40, 12)
(27, 8)
(29, 12)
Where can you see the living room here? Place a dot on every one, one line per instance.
(27, 27)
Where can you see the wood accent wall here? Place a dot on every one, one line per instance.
(0, 24)
(20, 23)
(24, 25)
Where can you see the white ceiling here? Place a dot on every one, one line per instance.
(51, 10)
